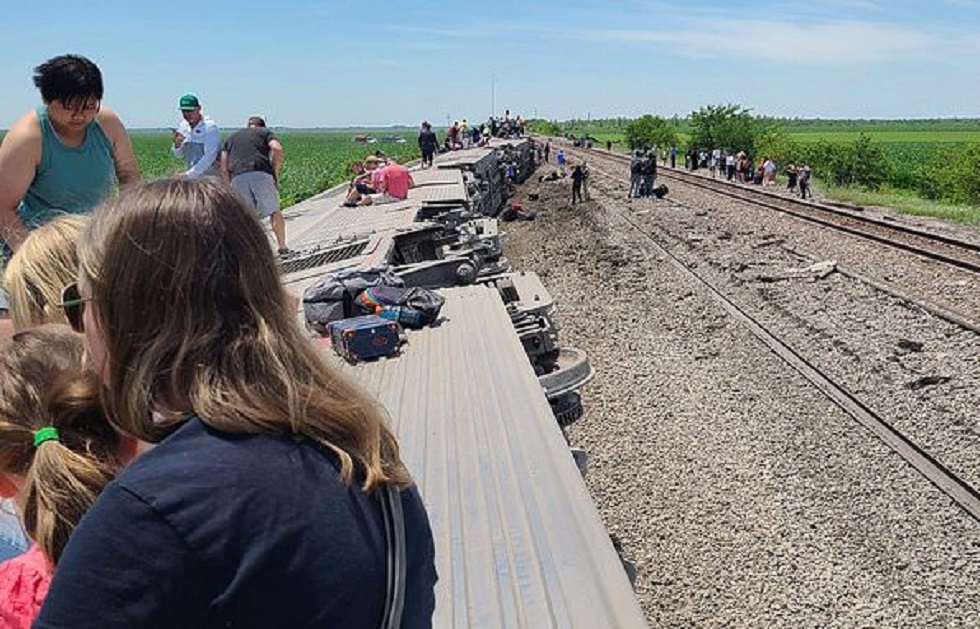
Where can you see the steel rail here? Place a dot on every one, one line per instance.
(808, 211)
(933, 470)
(943, 312)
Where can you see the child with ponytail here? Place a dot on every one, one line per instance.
(57, 452)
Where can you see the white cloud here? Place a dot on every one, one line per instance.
(818, 43)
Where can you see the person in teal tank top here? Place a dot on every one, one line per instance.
(65, 156)
(68, 179)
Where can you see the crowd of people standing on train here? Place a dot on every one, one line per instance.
(462, 134)
(173, 450)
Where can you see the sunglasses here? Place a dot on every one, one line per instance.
(74, 306)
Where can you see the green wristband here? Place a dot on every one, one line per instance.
(48, 433)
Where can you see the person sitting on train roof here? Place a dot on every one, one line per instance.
(394, 182)
(366, 181)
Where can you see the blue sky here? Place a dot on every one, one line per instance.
(303, 63)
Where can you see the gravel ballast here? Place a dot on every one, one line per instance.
(742, 495)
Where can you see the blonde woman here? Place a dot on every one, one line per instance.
(259, 507)
(46, 262)
(34, 278)
(57, 453)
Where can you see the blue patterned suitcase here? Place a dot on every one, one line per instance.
(366, 337)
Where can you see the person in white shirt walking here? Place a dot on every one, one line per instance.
(197, 140)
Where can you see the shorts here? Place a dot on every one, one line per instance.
(258, 189)
(13, 542)
(383, 197)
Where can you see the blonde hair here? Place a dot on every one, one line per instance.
(42, 383)
(46, 262)
(195, 321)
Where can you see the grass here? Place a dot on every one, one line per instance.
(313, 161)
(908, 148)
(906, 203)
(887, 137)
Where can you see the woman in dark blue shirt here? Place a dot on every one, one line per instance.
(259, 507)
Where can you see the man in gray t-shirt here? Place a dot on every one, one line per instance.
(250, 161)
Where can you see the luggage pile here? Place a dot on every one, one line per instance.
(364, 311)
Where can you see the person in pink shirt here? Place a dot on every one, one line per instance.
(366, 182)
(394, 180)
(57, 452)
(397, 180)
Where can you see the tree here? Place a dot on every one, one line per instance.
(649, 131)
(544, 127)
(731, 128)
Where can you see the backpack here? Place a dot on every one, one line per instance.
(331, 297)
(425, 302)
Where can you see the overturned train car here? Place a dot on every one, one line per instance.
(479, 399)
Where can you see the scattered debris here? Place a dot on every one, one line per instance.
(821, 270)
(910, 346)
(926, 381)
(817, 271)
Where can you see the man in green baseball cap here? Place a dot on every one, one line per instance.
(189, 102)
(197, 140)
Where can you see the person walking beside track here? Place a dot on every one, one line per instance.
(578, 176)
(803, 180)
(636, 174)
(791, 175)
(251, 160)
(197, 140)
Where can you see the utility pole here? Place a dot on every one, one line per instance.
(493, 95)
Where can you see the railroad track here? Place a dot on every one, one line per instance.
(962, 255)
(958, 489)
(955, 252)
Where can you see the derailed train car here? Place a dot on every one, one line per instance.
(479, 399)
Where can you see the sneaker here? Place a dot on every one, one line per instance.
(286, 252)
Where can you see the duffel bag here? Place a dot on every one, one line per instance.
(332, 296)
(376, 298)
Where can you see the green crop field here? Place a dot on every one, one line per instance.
(887, 137)
(926, 167)
(313, 160)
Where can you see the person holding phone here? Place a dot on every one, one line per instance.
(64, 156)
(197, 140)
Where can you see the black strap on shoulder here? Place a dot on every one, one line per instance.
(391, 508)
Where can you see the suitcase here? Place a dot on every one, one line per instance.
(361, 338)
